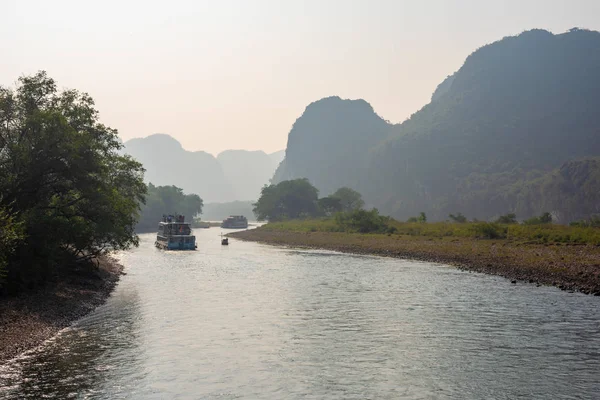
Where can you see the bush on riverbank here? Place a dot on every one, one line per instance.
(363, 221)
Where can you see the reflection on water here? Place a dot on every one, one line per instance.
(253, 321)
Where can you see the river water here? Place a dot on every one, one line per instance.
(258, 322)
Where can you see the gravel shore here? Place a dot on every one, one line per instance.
(568, 267)
(28, 320)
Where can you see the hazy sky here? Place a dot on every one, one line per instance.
(236, 74)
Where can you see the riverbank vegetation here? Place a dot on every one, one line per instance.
(298, 198)
(170, 200)
(294, 206)
(527, 234)
(67, 194)
(534, 250)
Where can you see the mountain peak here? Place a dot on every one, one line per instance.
(336, 103)
(157, 139)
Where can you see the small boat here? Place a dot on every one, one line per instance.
(224, 241)
(175, 234)
(235, 222)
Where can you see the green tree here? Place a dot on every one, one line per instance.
(169, 200)
(287, 200)
(545, 218)
(350, 199)
(330, 205)
(62, 175)
(422, 218)
(363, 221)
(10, 236)
(507, 219)
(593, 221)
(459, 218)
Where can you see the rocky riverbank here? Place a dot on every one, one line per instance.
(28, 320)
(568, 267)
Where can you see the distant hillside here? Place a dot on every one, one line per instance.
(498, 136)
(233, 175)
(167, 163)
(329, 144)
(517, 109)
(247, 171)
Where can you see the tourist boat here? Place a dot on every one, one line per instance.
(235, 222)
(175, 234)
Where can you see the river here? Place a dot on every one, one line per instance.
(258, 322)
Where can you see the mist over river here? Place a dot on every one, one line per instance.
(259, 322)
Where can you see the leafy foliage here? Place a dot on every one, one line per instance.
(488, 230)
(169, 200)
(330, 205)
(550, 234)
(350, 199)
(63, 180)
(545, 218)
(507, 219)
(459, 218)
(287, 200)
(421, 218)
(363, 221)
(10, 236)
(593, 221)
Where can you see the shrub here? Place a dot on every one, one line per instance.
(545, 218)
(593, 222)
(507, 219)
(489, 230)
(362, 221)
(460, 218)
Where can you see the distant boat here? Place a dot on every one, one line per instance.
(235, 222)
(202, 224)
(224, 240)
(175, 234)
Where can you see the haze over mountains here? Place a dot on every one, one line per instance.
(232, 175)
(510, 131)
(515, 130)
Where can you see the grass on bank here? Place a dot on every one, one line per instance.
(542, 234)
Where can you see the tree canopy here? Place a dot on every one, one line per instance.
(67, 193)
(330, 205)
(171, 200)
(287, 200)
(350, 199)
(298, 198)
